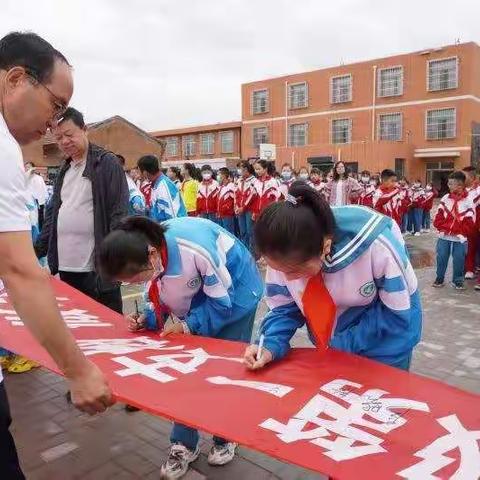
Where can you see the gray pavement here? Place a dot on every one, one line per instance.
(57, 442)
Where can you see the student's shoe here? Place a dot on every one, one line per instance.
(407, 234)
(426, 230)
(469, 276)
(438, 284)
(179, 459)
(477, 286)
(222, 454)
(416, 234)
(459, 286)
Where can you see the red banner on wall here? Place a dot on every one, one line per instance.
(334, 413)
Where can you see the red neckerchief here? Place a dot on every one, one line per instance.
(161, 310)
(319, 310)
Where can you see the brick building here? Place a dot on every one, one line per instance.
(114, 133)
(416, 113)
(218, 145)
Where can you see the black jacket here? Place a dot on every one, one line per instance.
(110, 202)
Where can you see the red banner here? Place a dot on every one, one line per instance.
(335, 413)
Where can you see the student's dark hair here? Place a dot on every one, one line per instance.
(297, 228)
(386, 174)
(74, 115)
(247, 165)
(459, 176)
(30, 51)
(316, 171)
(471, 171)
(177, 173)
(149, 164)
(192, 170)
(125, 249)
(271, 170)
(336, 176)
(225, 171)
(121, 159)
(286, 164)
(365, 172)
(264, 164)
(206, 168)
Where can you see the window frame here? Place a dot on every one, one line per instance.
(176, 146)
(222, 134)
(185, 142)
(350, 134)
(252, 103)
(290, 136)
(255, 145)
(332, 102)
(202, 136)
(289, 96)
(436, 110)
(379, 138)
(436, 60)
(379, 74)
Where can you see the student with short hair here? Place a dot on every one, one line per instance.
(427, 205)
(207, 198)
(417, 195)
(165, 199)
(344, 272)
(455, 221)
(287, 177)
(386, 198)
(226, 199)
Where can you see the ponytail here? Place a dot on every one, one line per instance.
(124, 251)
(296, 227)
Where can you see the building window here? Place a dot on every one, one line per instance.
(441, 124)
(226, 140)
(297, 135)
(342, 130)
(260, 101)
(400, 167)
(298, 95)
(442, 74)
(172, 146)
(390, 126)
(189, 145)
(260, 135)
(207, 143)
(390, 82)
(341, 89)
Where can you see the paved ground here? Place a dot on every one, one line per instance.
(55, 442)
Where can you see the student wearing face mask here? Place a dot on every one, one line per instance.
(303, 174)
(266, 187)
(202, 277)
(226, 198)
(427, 205)
(417, 194)
(366, 196)
(404, 188)
(207, 200)
(287, 176)
(378, 316)
(245, 198)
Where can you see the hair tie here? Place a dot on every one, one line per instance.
(291, 199)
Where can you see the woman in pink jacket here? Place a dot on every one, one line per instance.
(342, 189)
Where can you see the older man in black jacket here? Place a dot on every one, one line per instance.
(89, 199)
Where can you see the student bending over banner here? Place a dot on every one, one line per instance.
(202, 276)
(349, 279)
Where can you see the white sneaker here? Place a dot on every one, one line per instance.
(179, 459)
(427, 230)
(222, 454)
(416, 234)
(469, 276)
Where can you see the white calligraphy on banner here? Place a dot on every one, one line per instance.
(272, 388)
(434, 458)
(73, 318)
(124, 346)
(331, 417)
(195, 358)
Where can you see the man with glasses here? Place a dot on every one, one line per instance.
(35, 87)
(90, 197)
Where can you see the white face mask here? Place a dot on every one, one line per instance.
(286, 175)
(373, 182)
(303, 176)
(239, 172)
(417, 185)
(365, 179)
(206, 175)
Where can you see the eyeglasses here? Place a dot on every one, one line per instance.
(59, 106)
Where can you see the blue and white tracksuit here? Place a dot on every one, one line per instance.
(212, 283)
(370, 279)
(136, 202)
(166, 201)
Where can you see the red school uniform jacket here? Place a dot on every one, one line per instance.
(245, 194)
(366, 196)
(226, 199)
(267, 192)
(207, 197)
(427, 203)
(389, 202)
(455, 215)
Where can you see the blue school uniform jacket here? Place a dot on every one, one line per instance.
(370, 279)
(211, 280)
(166, 201)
